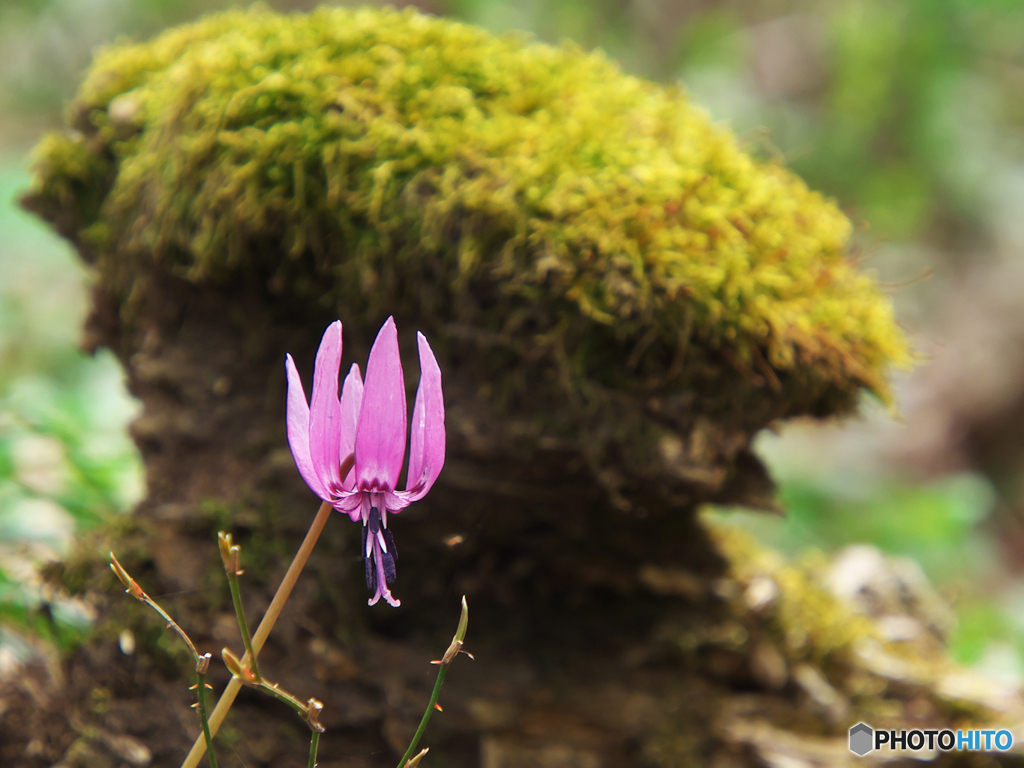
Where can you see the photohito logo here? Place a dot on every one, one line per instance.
(861, 739)
(864, 739)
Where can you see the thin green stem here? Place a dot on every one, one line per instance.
(426, 717)
(201, 695)
(272, 689)
(314, 742)
(136, 591)
(243, 627)
(173, 625)
(454, 649)
(202, 662)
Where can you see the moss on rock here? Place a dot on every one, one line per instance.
(380, 159)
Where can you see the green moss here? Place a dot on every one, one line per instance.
(355, 157)
(810, 624)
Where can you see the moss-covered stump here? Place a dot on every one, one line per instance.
(619, 299)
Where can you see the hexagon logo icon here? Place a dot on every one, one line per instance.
(862, 738)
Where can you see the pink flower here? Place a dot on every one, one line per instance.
(362, 436)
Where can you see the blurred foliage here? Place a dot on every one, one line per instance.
(930, 522)
(66, 462)
(897, 108)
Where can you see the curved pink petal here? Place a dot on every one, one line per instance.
(427, 442)
(297, 420)
(394, 502)
(351, 401)
(349, 503)
(380, 433)
(325, 409)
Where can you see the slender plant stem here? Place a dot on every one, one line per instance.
(243, 627)
(314, 742)
(263, 630)
(281, 695)
(136, 591)
(426, 717)
(202, 662)
(201, 695)
(310, 711)
(454, 649)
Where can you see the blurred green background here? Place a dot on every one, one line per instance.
(908, 112)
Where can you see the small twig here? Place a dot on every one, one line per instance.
(444, 662)
(230, 554)
(202, 662)
(313, 710)
(263, 630)
(136, 591)
(240, 670)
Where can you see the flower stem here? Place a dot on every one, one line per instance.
(231, 568)
(272, 689)
(449, 656)
(202, 662)
(136, 591)
(314, 742)
(263, 630)
(201, 695)
(426, 718)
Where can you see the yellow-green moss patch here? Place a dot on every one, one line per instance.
(353, 156)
